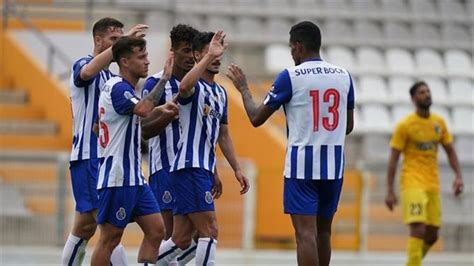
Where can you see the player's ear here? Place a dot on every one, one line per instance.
(97, 40)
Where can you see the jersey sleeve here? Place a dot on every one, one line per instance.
(76, 71)
(446, 137)
(224, 119)
(123, 98)
(399, 137)
(150, 83)
(281, 91)
(351, 94)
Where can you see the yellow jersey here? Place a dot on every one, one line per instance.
(417, 138)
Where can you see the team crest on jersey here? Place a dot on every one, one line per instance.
(167, 198)
(221, 97)
(121, 214)
(437, 129)
(207, 110)
(209, 198)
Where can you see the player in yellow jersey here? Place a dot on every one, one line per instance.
(417, 137)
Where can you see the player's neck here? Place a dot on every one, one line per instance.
(310, 56)
(425, 113)
(208, 77)
(130, 78)
(178, 73)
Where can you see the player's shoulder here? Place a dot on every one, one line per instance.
(409, 119)
(437, 118)
(156, 76)
(82, 60)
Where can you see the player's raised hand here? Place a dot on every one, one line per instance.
(458, 186)
(391, 200)
(237, 76)
(243, 181)
(138, 31)
(168, 68)
(168, 110)
(217, 45)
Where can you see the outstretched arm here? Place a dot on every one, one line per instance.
(216, 49)
(227, 147)
(147, 103)
(103, 59)
(257, 114)
(458, 184)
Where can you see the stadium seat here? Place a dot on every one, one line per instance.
(372, 89)
(400, 111)
(429, 62)
(399, 89)
(427, 35)
(365, 6)
(307, 3)
(398, 33)
(376, 118)
(194, 20)
(391, 7)
(444, 113)
(458, 63)
(359, 122)
(336, 5)
(368, 30)
(464, 148)
(456, 35)
(437, 87)
(400, 61)
(341, 56)
(221, 23)
(424, 8)
(337, 29)
(249, 25)
(246, 3)
(461, 91)
(370, 60)
(277, 26)
(463, 118)
(453, 8)
(277, 57)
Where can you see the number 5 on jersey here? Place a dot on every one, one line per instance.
(104, 132)
(330, 96)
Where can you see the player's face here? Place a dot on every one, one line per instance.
(109, 38)
(183, 56)
(214, 66)
(138, 62)
(422, 97)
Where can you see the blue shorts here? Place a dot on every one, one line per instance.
(312, 197)
(161, 187)
(84, 175)
(119, 205)
(193, 190)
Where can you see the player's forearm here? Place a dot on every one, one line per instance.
(392, 169)
(192, 77)
(227, 147)
(97, 64)
(155, 95)
(250, 107)
(454, 162)
(149, 125)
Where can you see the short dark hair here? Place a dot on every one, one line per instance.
(308, 34)
(201, 40)
(182, 33)
(103, 24)
(124, 47)
(415, 87)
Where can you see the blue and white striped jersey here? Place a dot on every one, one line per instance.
(315, 96)
(84, 100)
(200, 118)
(163, 147)
(119, 136)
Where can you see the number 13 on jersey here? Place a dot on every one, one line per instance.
(330, 96)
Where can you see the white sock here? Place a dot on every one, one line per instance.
(188, 254)
(168, 251)
(118, 257)
(74, 251)
(206, 251)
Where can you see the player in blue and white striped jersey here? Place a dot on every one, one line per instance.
(124, 195)
(203, 120)
(89, 74)
(318, 99)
